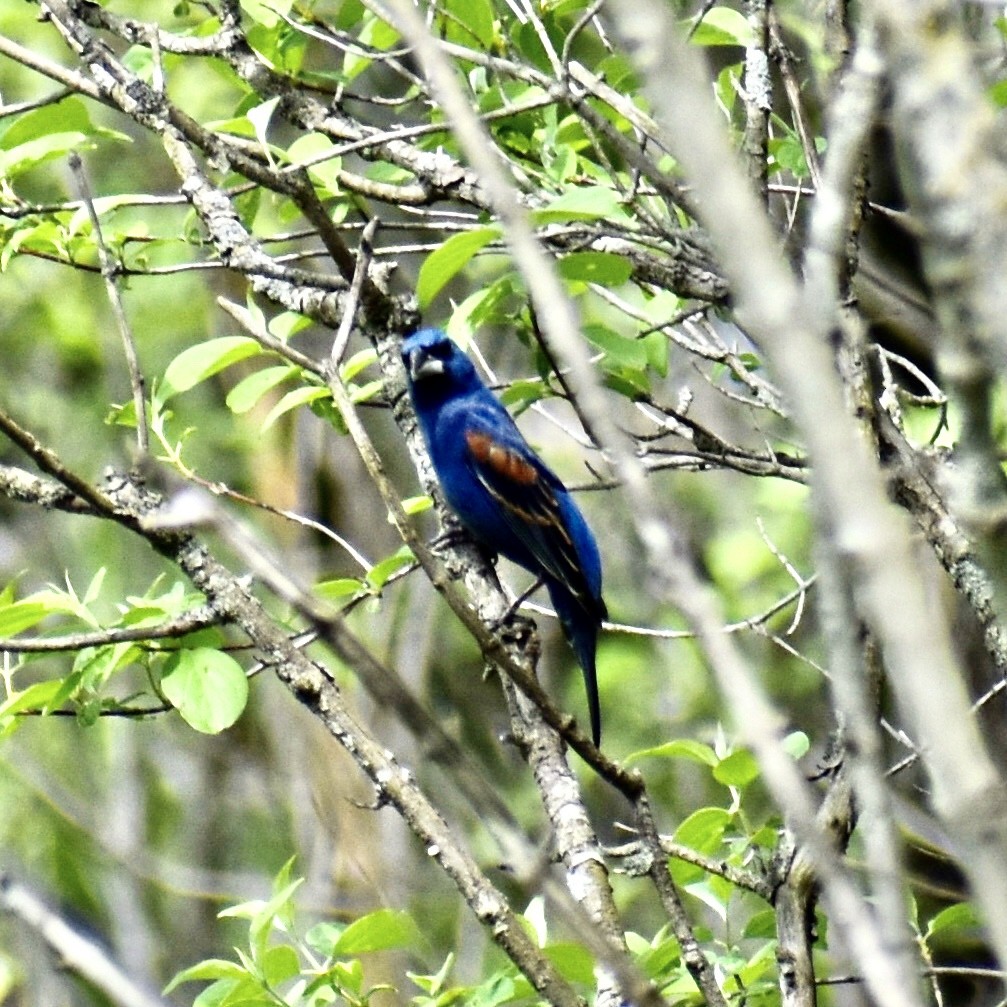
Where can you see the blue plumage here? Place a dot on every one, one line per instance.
(504, 494)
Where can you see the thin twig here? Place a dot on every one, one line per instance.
(109, 269)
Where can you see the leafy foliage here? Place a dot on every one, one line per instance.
(276, 192)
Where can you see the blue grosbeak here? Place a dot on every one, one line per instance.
(503, 493)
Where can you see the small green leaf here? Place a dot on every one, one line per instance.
(266, 12)
(618, 350)
(376, 33)
(378, 574)
(417, 505)
(279, 964)
(27, 155)
(349, 976)
(444, 263)
(470, 23)
(247, 392)
(325, 173)
(723, 26)
(737, 770)
(197, 363)
(573, 961)
(433, 984)
(36, 697)
(22, 615)
(593, 202)
(322, 937)
(796, 745)
(960, 916)
(381, 930)
(606, 268)
(762, 924)
(341, 587)
(524, 393)
(655, 345)
(211, 968)
(680, 748)
(360, 361)
(67, 116)
(298, 397)
(207, 687)
(703, 829)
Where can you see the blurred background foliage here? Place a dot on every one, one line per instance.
(141, 830)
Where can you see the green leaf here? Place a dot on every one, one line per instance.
(998, 93)
(417, 504)
(36, 697)
(960, 916)
(324, 173)
(606, 268)
(723, 26)
(737, 770)
(655, 345)
(22, 615)
(207, 687)
(524, 393)
(287, 324)
(618, 350)
(378, 574)
(247, 392)
(594, 202)
(341, 587)
(67, 116)
(245, 992)
(211, 968)
(27, 155)
(444, 263)
(573, 961)
(265, 11)
(796, 745)
(48, 132)
(349, 976)
(97, 664)
(259, 116)
(680, 748)
(279, 964)
(381, 930)
(197, 363)
(298, 397)
(762, 924)
(376, 33)
(360, 361)
(433, 984)
(469, 23)
(702, 831)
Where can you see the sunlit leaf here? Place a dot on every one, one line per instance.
(197, 363)
(605, 268)
(246, 394)
(207, 687)
(378, 931)
(737, 769)
(444, 263)
(723, 26)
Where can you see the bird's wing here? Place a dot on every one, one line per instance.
(528, 494)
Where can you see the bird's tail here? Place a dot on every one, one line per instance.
(580, 624)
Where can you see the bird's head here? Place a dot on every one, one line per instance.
(436, 366)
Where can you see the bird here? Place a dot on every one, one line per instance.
(504, 495)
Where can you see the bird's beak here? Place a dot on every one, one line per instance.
(422, 365)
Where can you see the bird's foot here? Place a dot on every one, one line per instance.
(449, 537)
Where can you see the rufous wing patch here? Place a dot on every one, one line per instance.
(503, 461)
